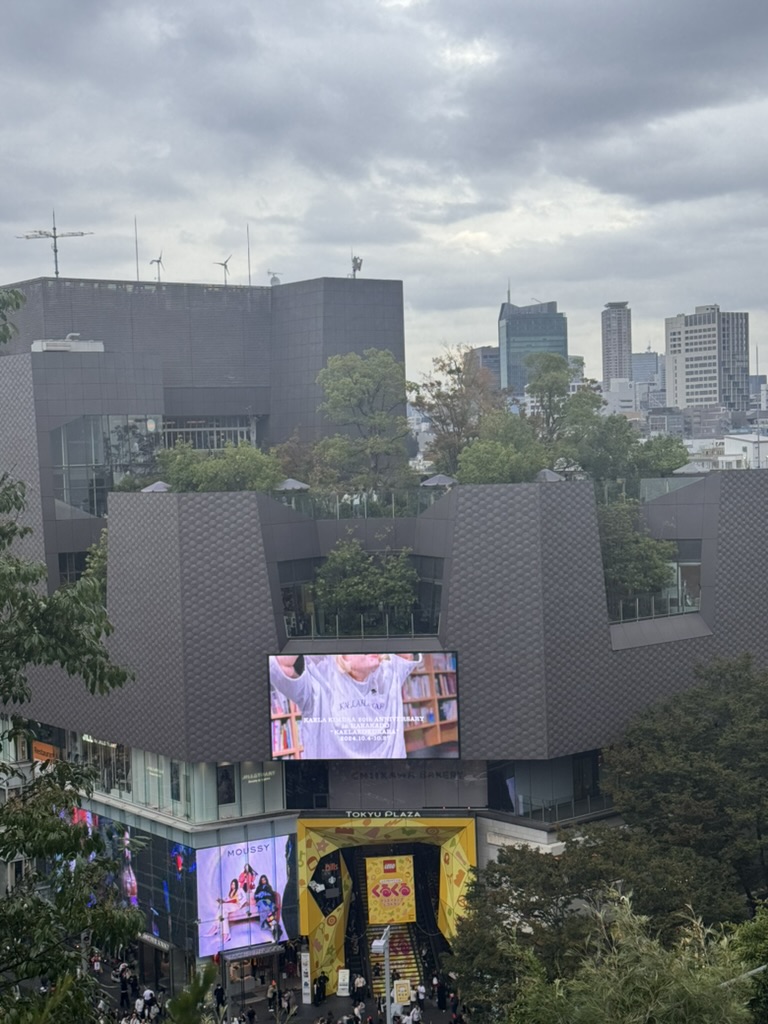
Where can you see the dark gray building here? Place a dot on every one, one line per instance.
(119, 367)
(524, 331)
(538, 667)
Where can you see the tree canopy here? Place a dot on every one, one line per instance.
(365, 396)
(457, 395)
(628, 976)
(353, 582)
(691, 772)
(239, 467)
(634, 562)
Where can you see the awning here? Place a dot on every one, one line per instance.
(246, 952)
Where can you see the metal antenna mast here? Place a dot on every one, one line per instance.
(55, 235)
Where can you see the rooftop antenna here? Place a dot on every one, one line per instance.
(158, 263)
(223, 263)
(509, 291)
(248, 244)
(534, 299)
(55, 235)
(136, 244)
(273, 278)
(357, 265)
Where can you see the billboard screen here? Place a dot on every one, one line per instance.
(241, 894)
(361, 706)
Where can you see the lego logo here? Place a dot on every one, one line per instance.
(390, 865)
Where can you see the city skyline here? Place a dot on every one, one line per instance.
(615, 171)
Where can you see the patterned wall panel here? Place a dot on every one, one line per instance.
(228, 626)
(18, 444)
(492, 614)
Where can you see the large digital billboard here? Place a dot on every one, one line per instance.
(241, 894)
(361, 706)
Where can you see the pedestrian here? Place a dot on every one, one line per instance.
(421, 994)
(250, 1015)
(441, 1005)
(271, 994)
(435, 983)
(218, 995)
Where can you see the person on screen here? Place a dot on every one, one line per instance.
(224, 906)
(266, 901)
(247, 879)
(351, 704)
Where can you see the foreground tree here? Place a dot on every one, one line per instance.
(546, 895)
(691, 772)
(628, 976)
(493, 970)
(67, 895)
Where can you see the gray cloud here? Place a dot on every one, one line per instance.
(580, 150)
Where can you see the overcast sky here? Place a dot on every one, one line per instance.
(585, 150)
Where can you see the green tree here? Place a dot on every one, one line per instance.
(634, 562)
(493, 970)
(660, 456)
(606, 450)
(194, 1005)
(549, 380)
(239, 467)
(44, 917)
(691, 772)
(352, 582)
(750, 943)
(546, 895)
(11, 301)
(456, 395)
(492, 462)
(67, 628)
(365, 396)
(628, 976)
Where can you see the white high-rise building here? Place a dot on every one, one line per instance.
(617, 342)
(708, 359)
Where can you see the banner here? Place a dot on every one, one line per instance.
(342, 985)
(391, 896)
(306, 981)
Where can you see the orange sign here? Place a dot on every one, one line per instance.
(43, 751)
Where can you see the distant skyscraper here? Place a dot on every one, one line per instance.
(708, 359)
(617, 342)
(524, 331)
(646, 366)
(487, 358)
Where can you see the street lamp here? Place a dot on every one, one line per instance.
(379, 946)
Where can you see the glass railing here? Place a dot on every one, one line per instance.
(381, 505)
(566, 810)
(650, 606)
(368, 624)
